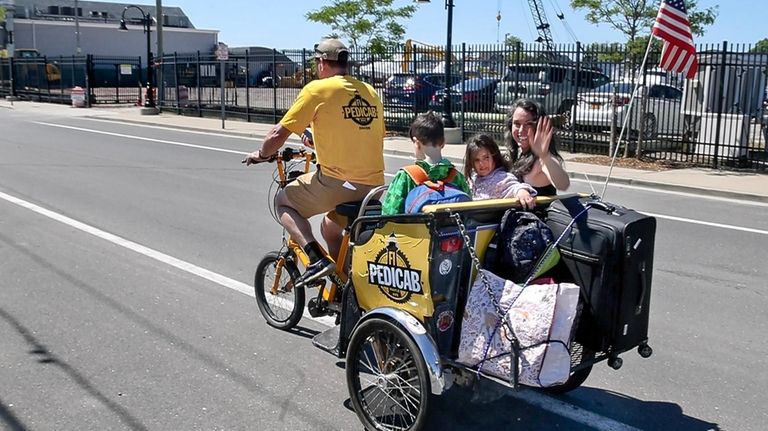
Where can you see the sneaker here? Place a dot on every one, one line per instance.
(319, 269)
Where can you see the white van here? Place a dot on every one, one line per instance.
(554, 86)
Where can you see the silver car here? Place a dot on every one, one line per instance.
(554, 86)
(660, 113)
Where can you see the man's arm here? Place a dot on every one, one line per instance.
(275, 139)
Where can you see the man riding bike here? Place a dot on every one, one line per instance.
(347, 121)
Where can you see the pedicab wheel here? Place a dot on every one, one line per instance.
(281, 308)
(387, 378)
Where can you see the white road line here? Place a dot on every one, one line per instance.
(544, 402)
(141, 138)
(672, 192)
(570, 411)
(174, 129)
(146, 251)
(706, 223)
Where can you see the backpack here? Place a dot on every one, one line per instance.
(518, 247)
(429, 192)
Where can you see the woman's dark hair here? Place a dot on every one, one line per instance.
(482, 141)
(521, 164)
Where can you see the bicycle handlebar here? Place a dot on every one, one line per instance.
(288, 153)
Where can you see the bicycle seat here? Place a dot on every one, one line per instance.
(351, 209)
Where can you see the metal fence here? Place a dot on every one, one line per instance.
(51, 79)
(718, 119)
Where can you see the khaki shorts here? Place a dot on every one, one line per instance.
(314, 193)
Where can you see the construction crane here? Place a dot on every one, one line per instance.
(542, 26)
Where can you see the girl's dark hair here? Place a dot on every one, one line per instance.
(482, 141)
(521, 164)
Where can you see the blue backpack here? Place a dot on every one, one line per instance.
(429, 192)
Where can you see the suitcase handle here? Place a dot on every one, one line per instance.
(643, 288)
(608, 208)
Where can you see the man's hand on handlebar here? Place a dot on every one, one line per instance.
(255, 157)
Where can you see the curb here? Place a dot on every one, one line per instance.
(572, 174)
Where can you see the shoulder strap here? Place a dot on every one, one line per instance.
(451, 175)
(417, 174)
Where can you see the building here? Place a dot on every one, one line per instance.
(59, 28)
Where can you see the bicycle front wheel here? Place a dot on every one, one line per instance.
(280, 302)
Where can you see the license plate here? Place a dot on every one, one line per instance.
(594, 105)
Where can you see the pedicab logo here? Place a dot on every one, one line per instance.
(360, 111)
(392, 273)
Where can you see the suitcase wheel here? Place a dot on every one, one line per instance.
(644, 350)
(615, 362)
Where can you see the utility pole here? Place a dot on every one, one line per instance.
(159, 35)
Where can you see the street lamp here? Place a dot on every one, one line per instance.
(447, 115)
(146, 20)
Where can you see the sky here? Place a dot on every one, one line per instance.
(281, 24)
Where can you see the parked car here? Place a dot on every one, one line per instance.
(661, 114)
(414, 90)
(552, 85)
(471, 95)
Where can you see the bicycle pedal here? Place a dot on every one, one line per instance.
(319, 283)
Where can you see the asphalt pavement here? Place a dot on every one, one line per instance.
(750, 186)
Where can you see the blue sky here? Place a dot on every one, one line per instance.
(281, 24)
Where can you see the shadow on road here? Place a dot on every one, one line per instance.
(42, 355)
(456, 410)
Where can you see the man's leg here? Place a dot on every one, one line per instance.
(297, 226)
(332, 234)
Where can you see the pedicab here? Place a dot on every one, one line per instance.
(408, 284)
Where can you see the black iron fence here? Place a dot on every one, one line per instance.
(599, 98)
(51, 79)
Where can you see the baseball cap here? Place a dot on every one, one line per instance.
(329, 49)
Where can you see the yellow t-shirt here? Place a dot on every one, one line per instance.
(347, 120)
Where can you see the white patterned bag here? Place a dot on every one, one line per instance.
(541, 317)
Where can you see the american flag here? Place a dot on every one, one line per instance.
(678, 53)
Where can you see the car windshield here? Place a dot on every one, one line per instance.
(619, 87)
(535, 73)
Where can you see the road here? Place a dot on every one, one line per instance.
(127, 253)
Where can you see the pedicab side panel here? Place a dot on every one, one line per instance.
(391, 267)
(427, 248)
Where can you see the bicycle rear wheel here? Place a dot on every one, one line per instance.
(279, 301)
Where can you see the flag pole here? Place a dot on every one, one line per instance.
(626, 116)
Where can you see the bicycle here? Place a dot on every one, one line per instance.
(279, 299)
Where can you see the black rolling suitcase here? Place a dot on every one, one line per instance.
(609, 253)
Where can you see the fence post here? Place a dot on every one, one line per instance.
(721, 101)
(572, 147)
(176, 82)
(248, 86)
(199, 90)
(88, 75)
(12, 76)
(463, 89)
(274, 87)
(518, 49)
(117, 88)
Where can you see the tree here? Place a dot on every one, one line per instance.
(760, 46)
(634, 18)
(365, 23)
